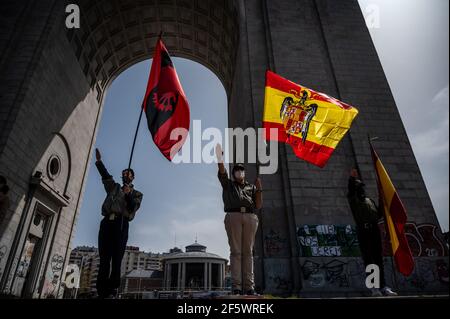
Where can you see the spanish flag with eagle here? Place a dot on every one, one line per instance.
(165, 104)
(394, 218)
(312, 123)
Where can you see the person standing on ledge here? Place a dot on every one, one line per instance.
(241, 200)
(366, 215)
(118, 209)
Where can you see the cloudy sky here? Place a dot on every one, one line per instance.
(412, 43)
(182, 202)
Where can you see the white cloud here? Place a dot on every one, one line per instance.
(441, 97)
(431, 146)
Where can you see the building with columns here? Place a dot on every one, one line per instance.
(196, 269)
(53, 84)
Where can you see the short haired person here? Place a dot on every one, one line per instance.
(118, 209)
(241, 200)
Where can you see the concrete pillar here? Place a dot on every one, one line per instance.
(205, 276)
(179, 276)
(209, 275)
(183, 276)
(220, 276)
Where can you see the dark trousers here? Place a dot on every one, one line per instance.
(112, 241)
(371, 247)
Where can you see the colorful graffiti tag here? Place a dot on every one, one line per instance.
(422, 239)
(328, 241)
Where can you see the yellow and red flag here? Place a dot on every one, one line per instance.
(312, 123)
(395, 218)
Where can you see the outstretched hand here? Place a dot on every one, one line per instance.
(219, 153)
(98, 156)
(258, 184)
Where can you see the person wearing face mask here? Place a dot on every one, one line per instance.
(366, 215)
(118, 209)
(241, 200)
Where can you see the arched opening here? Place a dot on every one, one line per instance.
(115, 40)
(180, 200)
(79, 66)
(116, 34)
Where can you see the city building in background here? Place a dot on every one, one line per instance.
(194, 270)
(88, 261)
(148, 275)
(52, 103)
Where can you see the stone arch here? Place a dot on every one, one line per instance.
(117, 34)
(67, 79)
(54, 80)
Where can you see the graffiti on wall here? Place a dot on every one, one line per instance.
(53, 276)
(328, 241)
(422, 239)
(273, 243)
(429, 274)
(337, 273)
(278, 277)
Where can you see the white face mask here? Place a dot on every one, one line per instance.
(239, 175)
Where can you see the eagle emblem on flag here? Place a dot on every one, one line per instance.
(297, 114)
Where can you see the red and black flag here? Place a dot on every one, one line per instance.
(165, 104)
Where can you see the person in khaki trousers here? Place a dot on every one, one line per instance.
(240, 199)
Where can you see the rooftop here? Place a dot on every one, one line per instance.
(194, 250)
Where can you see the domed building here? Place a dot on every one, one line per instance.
(195, 270)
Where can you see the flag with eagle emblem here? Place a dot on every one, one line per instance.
(165, 104)
(313, 123)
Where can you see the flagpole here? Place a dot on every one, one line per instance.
(139, 121)
(384, 211)
(135, 137)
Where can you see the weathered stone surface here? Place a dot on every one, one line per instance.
(53, 82)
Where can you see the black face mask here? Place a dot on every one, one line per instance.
(126, 180)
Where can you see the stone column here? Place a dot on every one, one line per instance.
(205, 276)
(179, 276)
(183, 275)
(209, 275)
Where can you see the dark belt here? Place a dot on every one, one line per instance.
(240, 210)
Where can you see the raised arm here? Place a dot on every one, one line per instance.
(352, 183)
(219, 154)
(223, 175)
(107, 179)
